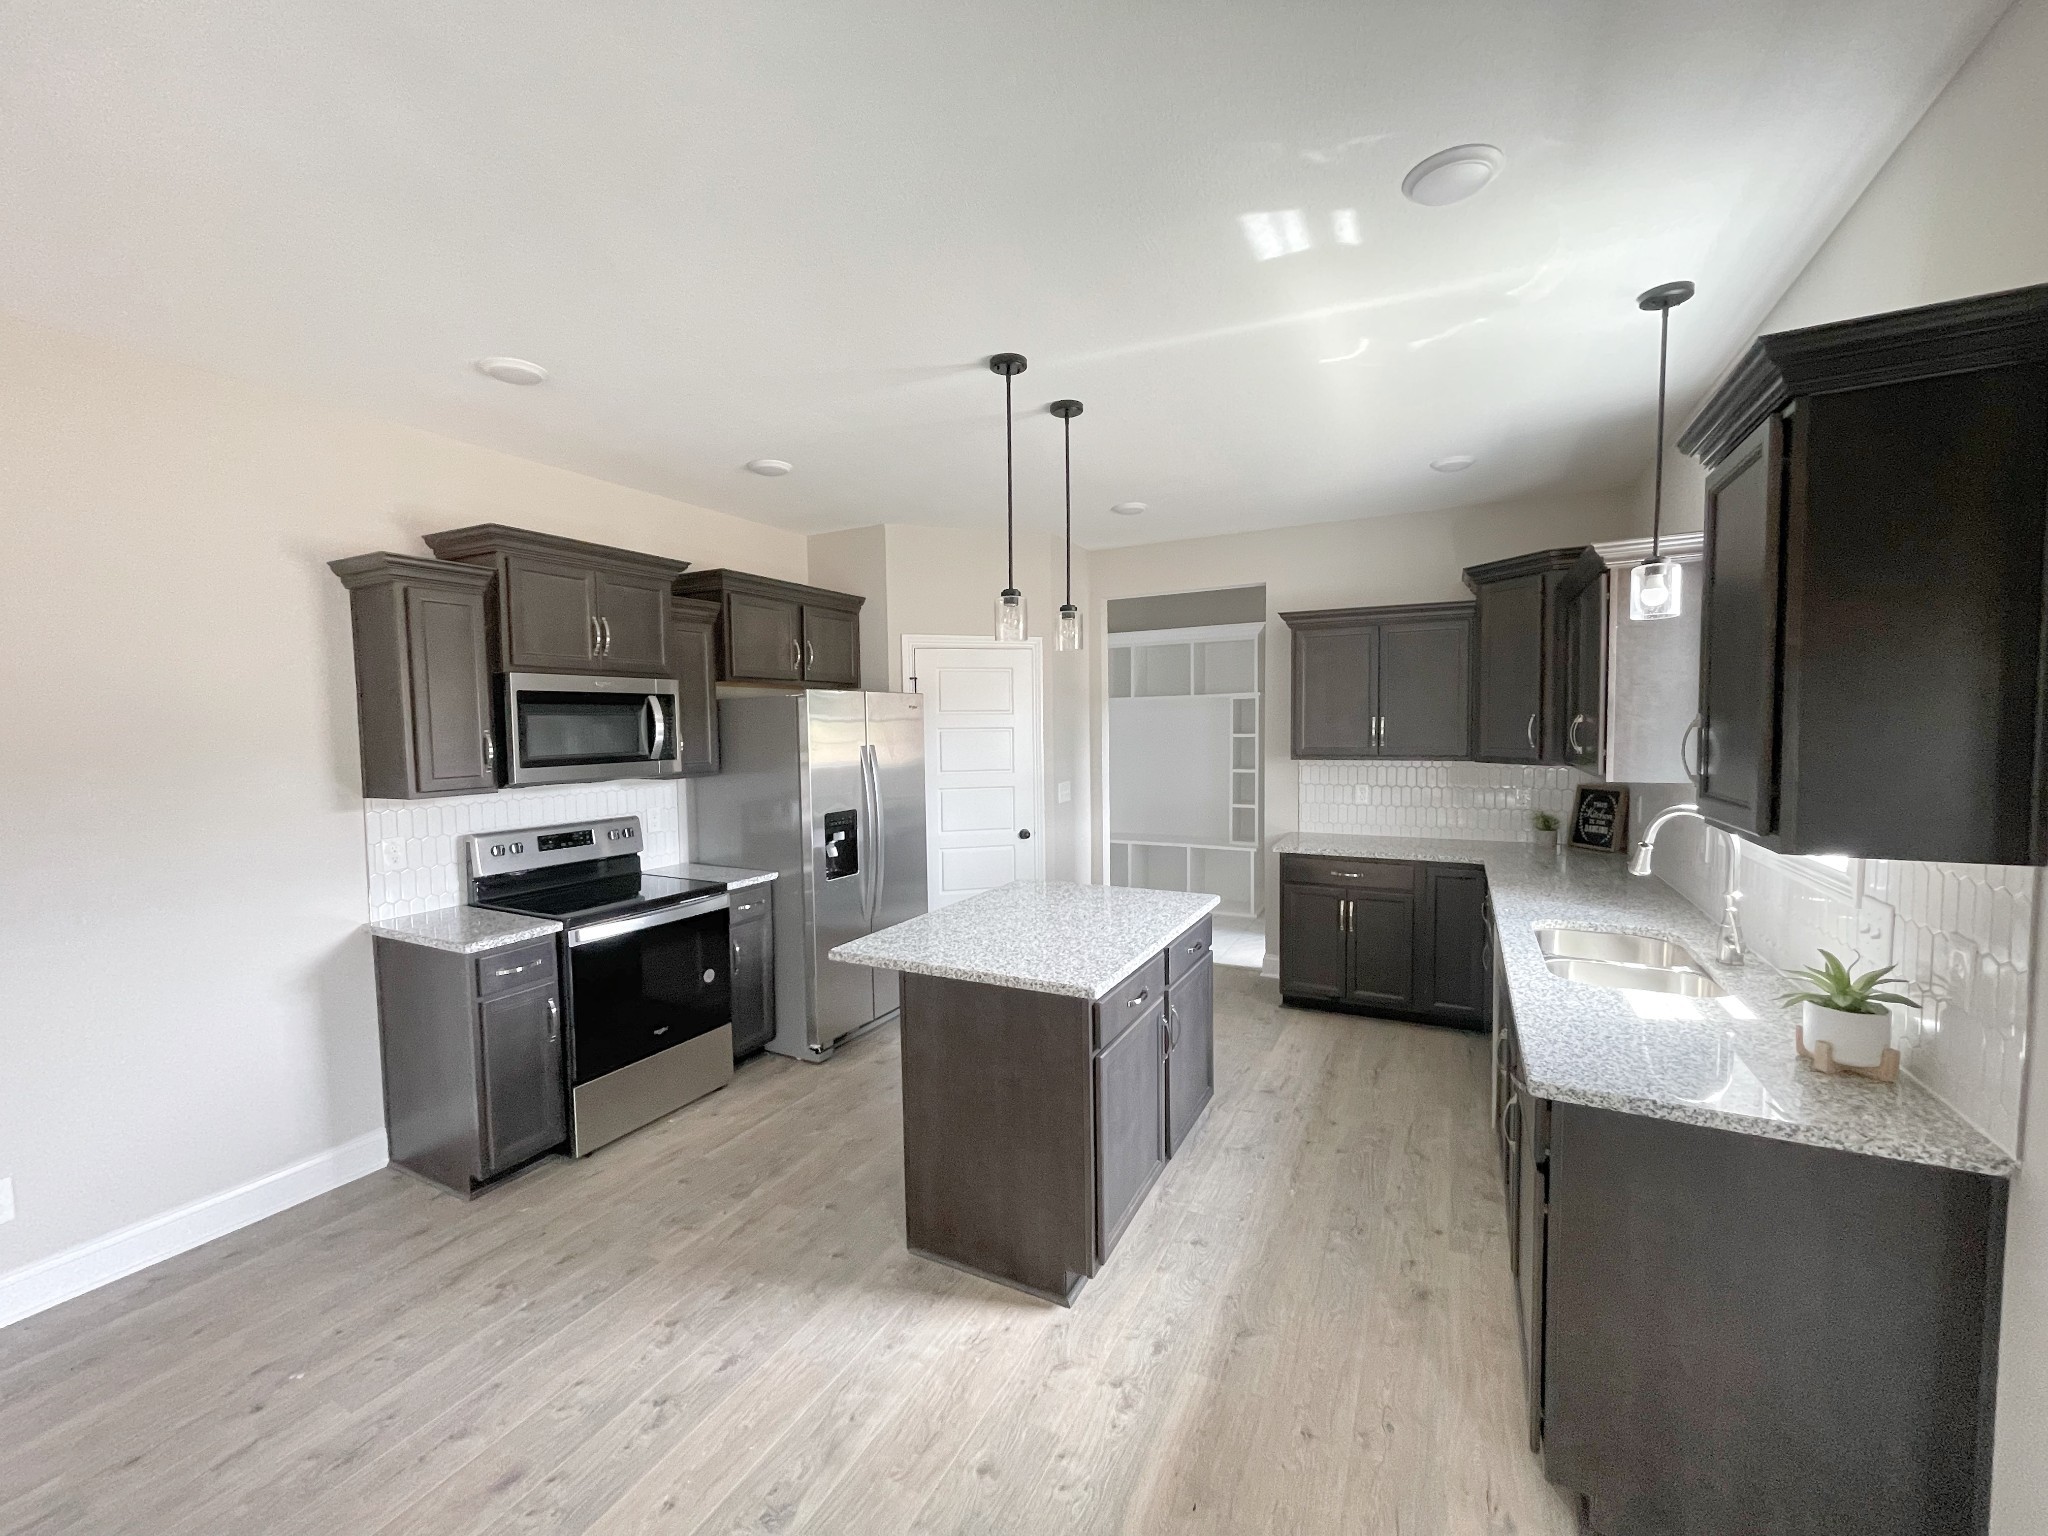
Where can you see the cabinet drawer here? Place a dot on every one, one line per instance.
(1129, 1000)
(1351, 874)
(1187, 951)
(507, 970)
(751, 904)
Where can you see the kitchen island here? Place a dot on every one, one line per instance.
(1057, 1050)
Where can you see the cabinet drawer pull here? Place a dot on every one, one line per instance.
(554, 1021)
(1139, 1000)
(514, 970)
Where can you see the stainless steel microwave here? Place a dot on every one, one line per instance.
(565, 730)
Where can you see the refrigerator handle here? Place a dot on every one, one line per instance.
(871, 836)
(880, 835)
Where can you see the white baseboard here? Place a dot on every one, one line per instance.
(47, 1282)
(1270, 969)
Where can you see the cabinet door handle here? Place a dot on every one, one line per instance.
(490, 752)
(1532, 734)
(810, 657)
(1344, 916)
(606, 625)
(596, 638)
(1693, 770)
(554, 1021)
(1571, 734)
(796, 654)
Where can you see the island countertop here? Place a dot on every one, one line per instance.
(1726, 1061)
(1038, 936)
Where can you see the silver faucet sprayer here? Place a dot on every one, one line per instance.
(1645, 850)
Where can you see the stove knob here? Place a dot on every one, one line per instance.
(519, 847)
(497, 850)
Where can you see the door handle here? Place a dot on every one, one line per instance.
(554, 1021)
(1344, 916)
(810, 658)
(490, 752)
(1024, 833)
(660, 732)
(605, 625)
(1532, 733)
(796, 655)
(596, 638)
(1693, 770)
(1571, 734)
(879, 837)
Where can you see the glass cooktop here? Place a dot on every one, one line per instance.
(609, 894)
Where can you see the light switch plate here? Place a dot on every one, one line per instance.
(1066, 790)
(391, 853)
(6, 1199)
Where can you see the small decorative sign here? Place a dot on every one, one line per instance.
(1600, 817)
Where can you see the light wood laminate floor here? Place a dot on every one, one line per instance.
(713, 1326)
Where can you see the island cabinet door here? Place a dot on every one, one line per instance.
(1130, 1131)
(1190, 1050)
(1312, 942)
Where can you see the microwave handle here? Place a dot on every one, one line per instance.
(660, 727)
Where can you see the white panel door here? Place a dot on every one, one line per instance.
(981, 764)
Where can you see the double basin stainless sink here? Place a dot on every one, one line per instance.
(1627, 962)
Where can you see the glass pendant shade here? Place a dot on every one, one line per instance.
(1070, 628)
(1656, 590)
(1010, 624)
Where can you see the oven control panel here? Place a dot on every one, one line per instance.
(508, 853)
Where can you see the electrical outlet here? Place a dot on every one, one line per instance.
(6, 1199)
(391, 852)
(1066, 790)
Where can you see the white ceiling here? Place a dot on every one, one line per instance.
(765, 227)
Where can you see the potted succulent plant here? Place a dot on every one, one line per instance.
(1845, 1010)
(1546, 829)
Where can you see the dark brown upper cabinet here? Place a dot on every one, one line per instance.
(1871, 657)
(423, 682)
(1382, 682)
(1521, 688)
(1583, 596)
(561, 605)
(780, 631)
(693, 662)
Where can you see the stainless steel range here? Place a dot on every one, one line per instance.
(645, 962)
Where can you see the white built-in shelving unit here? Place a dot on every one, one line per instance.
(1184, 761)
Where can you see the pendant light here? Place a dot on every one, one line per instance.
(1010, 622)
(1656, 588)
(1070, 616)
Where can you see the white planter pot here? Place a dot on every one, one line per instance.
(1857, 1039)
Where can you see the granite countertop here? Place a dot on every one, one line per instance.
(733, 878)
(465, 930)
(472, 930)
(1696, 1060)
(1039, 936)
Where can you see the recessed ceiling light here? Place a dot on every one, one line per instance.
(1453, 463)
(511, 370)
(770, 466)
(1452, 175)
(1128, 508)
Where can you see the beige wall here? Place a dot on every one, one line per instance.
(183, 888)
(1416, 558)
(1962, 208)
(943, 581)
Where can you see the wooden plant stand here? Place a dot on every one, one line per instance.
(1823, 1058)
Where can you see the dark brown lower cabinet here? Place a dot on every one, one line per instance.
(473, 1060)
(1034, 1124)
(1190, 1050)
(1130, 1129)
(1396, 939)
(752, 920)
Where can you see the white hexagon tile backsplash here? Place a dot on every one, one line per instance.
(410, 845)
(1486, 802)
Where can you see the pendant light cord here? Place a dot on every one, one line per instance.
(1657, 501)
(1067, 424)
(1010, 490)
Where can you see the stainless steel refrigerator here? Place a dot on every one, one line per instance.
(826, 788)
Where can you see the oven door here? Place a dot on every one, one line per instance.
(569, 729)
(644, 984)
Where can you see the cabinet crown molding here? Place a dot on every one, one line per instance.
(1346, 618)
(1537, 564)
(1992, 330)
(373, 570)
(720, 579)
(497, 538)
